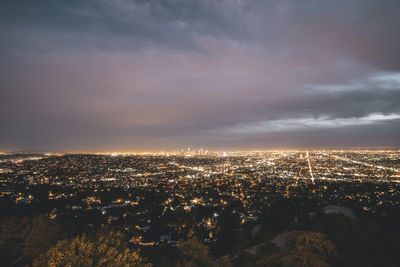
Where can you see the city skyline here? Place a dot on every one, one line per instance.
(225, 75)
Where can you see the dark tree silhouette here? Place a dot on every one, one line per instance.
(302, 249)
(106, 249)
(191, 253)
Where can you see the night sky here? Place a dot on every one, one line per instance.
(167, 74)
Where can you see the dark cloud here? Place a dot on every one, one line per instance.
(126, 75)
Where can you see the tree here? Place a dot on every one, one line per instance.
(244, 259)
(105, 249)
(278, 217)
(353, 239)
(225, 262)
(241, 242)
(302, 249)
(42, 234)
(23, 239)
(191, 253)
(227, 226)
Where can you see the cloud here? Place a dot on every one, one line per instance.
(378, 81)
(146, 73)
(324, 122)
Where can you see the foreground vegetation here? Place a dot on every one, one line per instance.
(280, 240)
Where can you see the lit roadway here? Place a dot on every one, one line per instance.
(366, 164)
(309, 166)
